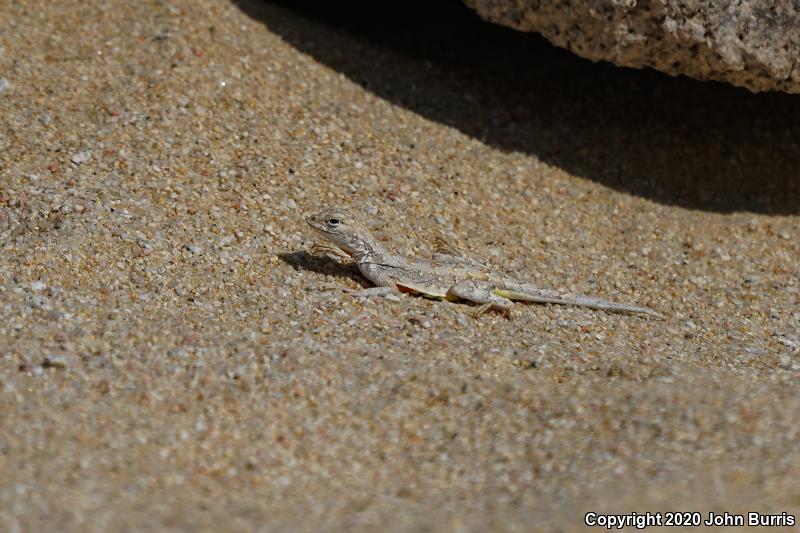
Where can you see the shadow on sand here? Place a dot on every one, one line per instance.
(302, 260)
(676, 141)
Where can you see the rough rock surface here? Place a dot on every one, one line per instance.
(750, 43)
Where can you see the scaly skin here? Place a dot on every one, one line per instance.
(446, 277)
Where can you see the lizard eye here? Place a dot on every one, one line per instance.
(334, 222)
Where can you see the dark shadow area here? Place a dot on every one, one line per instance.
(676, 141)
(302, 260)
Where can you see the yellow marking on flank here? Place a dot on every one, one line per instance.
(504, 293)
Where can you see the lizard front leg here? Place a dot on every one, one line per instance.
(384, 286)
(325, 249)
(480, 292)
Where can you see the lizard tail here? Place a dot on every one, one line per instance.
(553, 297)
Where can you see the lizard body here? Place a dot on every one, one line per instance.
(447, 276)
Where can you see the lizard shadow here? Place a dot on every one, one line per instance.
(676, 141)
(302, 260)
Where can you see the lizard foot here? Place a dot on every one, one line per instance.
(480, 310)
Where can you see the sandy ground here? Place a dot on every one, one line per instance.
(171, 358)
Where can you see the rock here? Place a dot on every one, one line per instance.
(752, 43)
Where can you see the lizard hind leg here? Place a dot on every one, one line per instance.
(480, 293)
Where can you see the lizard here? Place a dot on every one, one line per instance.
(447, 276)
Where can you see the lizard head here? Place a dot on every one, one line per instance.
(343, 229)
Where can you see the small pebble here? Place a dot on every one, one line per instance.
(80, 157)
(54, 361)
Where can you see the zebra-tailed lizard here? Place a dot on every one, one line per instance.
(448, 276)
